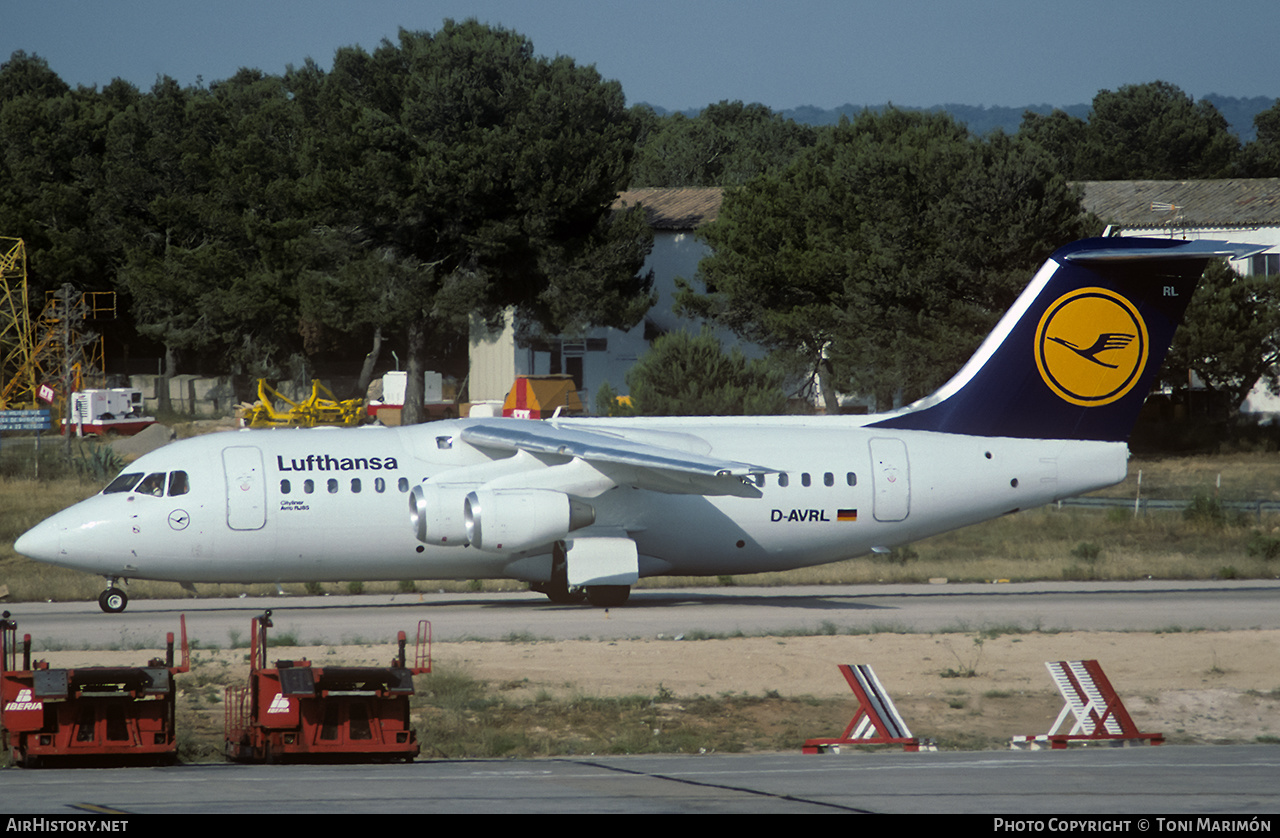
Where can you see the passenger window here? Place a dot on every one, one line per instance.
(403, 484)
(851, 479)
(828, 479)
(332, 486)
(284, 487)
(379, 485)
(308, 486)
(783, 480)
(123, 483)
(355, 485)
(178, 484)
(152, 485)
(804, 479)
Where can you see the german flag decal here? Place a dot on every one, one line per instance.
(847, 515)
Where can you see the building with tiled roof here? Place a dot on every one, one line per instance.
(1228, 204)
(686, 208)
(1240, 209)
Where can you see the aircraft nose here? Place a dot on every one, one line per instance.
(42, 542)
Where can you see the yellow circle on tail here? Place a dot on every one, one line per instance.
(1091, 346)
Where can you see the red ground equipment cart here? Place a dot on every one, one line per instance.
(90, 714)
(298, 711)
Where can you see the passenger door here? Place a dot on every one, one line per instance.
(246, 488)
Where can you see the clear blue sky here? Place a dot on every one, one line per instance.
(694, 52)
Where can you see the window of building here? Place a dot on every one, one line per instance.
(1265, 264)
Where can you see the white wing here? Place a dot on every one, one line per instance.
(641, 459)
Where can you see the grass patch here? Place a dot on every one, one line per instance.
(460, 717)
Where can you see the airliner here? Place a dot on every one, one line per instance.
(583, 508)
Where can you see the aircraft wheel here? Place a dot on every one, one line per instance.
(113, 600)
(564, 596)
(559, 593)
(608, 596)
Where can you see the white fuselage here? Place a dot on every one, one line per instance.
(324, 504)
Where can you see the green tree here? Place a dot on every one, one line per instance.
(51, 143)
(879, 259)
(1261, 158)
(692, 375)
(1158, 132)
(1230, 337)
(204, 187)
(726, 145)
(485, 174)
(1063, 138)
(1141, 131)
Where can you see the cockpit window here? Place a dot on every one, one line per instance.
(123, 483)
(178, 484)
(153, 484)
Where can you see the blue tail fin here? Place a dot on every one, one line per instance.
(1077, 354)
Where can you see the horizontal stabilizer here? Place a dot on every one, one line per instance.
(1200, 249)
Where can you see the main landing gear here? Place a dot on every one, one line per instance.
(113, 600)
(600, 596)
(558, 591)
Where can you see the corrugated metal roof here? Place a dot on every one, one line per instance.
(1214, 204)
(685, 208)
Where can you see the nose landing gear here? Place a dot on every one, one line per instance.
(113, 600)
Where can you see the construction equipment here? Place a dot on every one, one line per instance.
(315, 410)
(297, 711)
(98, 714)
(877, 721)
(54, 347)
(541, 396)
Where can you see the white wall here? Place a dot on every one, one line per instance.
(496, 360)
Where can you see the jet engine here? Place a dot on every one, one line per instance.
(511, 520)
(436, 511)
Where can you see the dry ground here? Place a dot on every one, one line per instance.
(1194, 687)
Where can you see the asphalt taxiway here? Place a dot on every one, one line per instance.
(1150, 605)
(1165, 781)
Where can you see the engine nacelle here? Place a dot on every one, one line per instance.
(511, 520)
(437, 512)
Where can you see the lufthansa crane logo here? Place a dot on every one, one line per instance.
(1091, 346)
